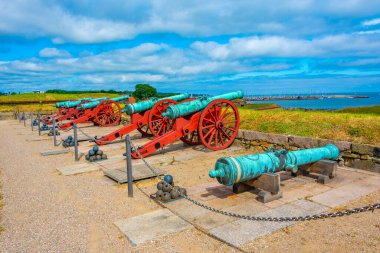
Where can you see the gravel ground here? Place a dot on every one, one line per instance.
(46, 212)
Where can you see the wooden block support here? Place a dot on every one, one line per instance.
(268, 185)
(326, 170)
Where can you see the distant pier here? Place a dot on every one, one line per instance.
(300, 97)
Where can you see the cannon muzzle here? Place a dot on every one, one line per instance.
(231, 170)
(179, 110)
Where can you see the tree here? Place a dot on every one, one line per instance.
(143, 91)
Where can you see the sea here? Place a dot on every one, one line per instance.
(328, 103)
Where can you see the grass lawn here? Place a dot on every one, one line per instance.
(260, 106)
(51, 96)
(357, 126)
(363, 110)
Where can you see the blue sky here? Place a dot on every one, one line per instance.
(261, 47)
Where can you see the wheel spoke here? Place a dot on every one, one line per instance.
(211, 137)
(209, 132)
(216, 138)
(228, 115)
(225, 134)
(221, 137)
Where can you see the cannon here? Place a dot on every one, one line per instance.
(231, 170)
(103, 112)
(146, 117)
(67, 110)
(213, 121)
(258, 171)
(71, 103)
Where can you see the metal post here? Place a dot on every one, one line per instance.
(24, 118)
(39, 123)
(31, 120)
(19, 117)
(76, 142)
(54, 133)
(129, 165)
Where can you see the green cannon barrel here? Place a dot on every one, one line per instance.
(95, 103)
(148, 104)
(176, 111)
(231, 170)
(70, 103)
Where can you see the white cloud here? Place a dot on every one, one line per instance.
(51, 52)
(370, 32)
(107, 20)
(372, 22)
(276, 46)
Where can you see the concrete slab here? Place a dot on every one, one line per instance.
(346, 177)
(38, 139)
(151, 226)
(78, 169)
(348, 192)
(241, 232)
(303, 191)
(120, 175)
(186, 209)
(55, 152)
(212, 220)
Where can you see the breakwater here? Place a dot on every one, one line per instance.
(301, 97)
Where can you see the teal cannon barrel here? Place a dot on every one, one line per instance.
(148, 104)
(179, 110)
(231, 170)
(95, 103)
(70, 104)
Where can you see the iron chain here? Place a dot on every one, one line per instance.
(371, 207)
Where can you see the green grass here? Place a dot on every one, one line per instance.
(27, 108)
(363, 110)
(356, 127)
(51, 96)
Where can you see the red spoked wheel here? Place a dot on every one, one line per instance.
(158, 125)
(107, 113)
(219, 124)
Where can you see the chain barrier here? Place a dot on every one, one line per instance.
(93, 139)
(371, 207)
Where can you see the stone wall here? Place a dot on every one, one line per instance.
(355, 155)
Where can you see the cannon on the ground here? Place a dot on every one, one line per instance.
(146, 117)
(67, 110)
(213, 121)
(259, 170)
(105, 112)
